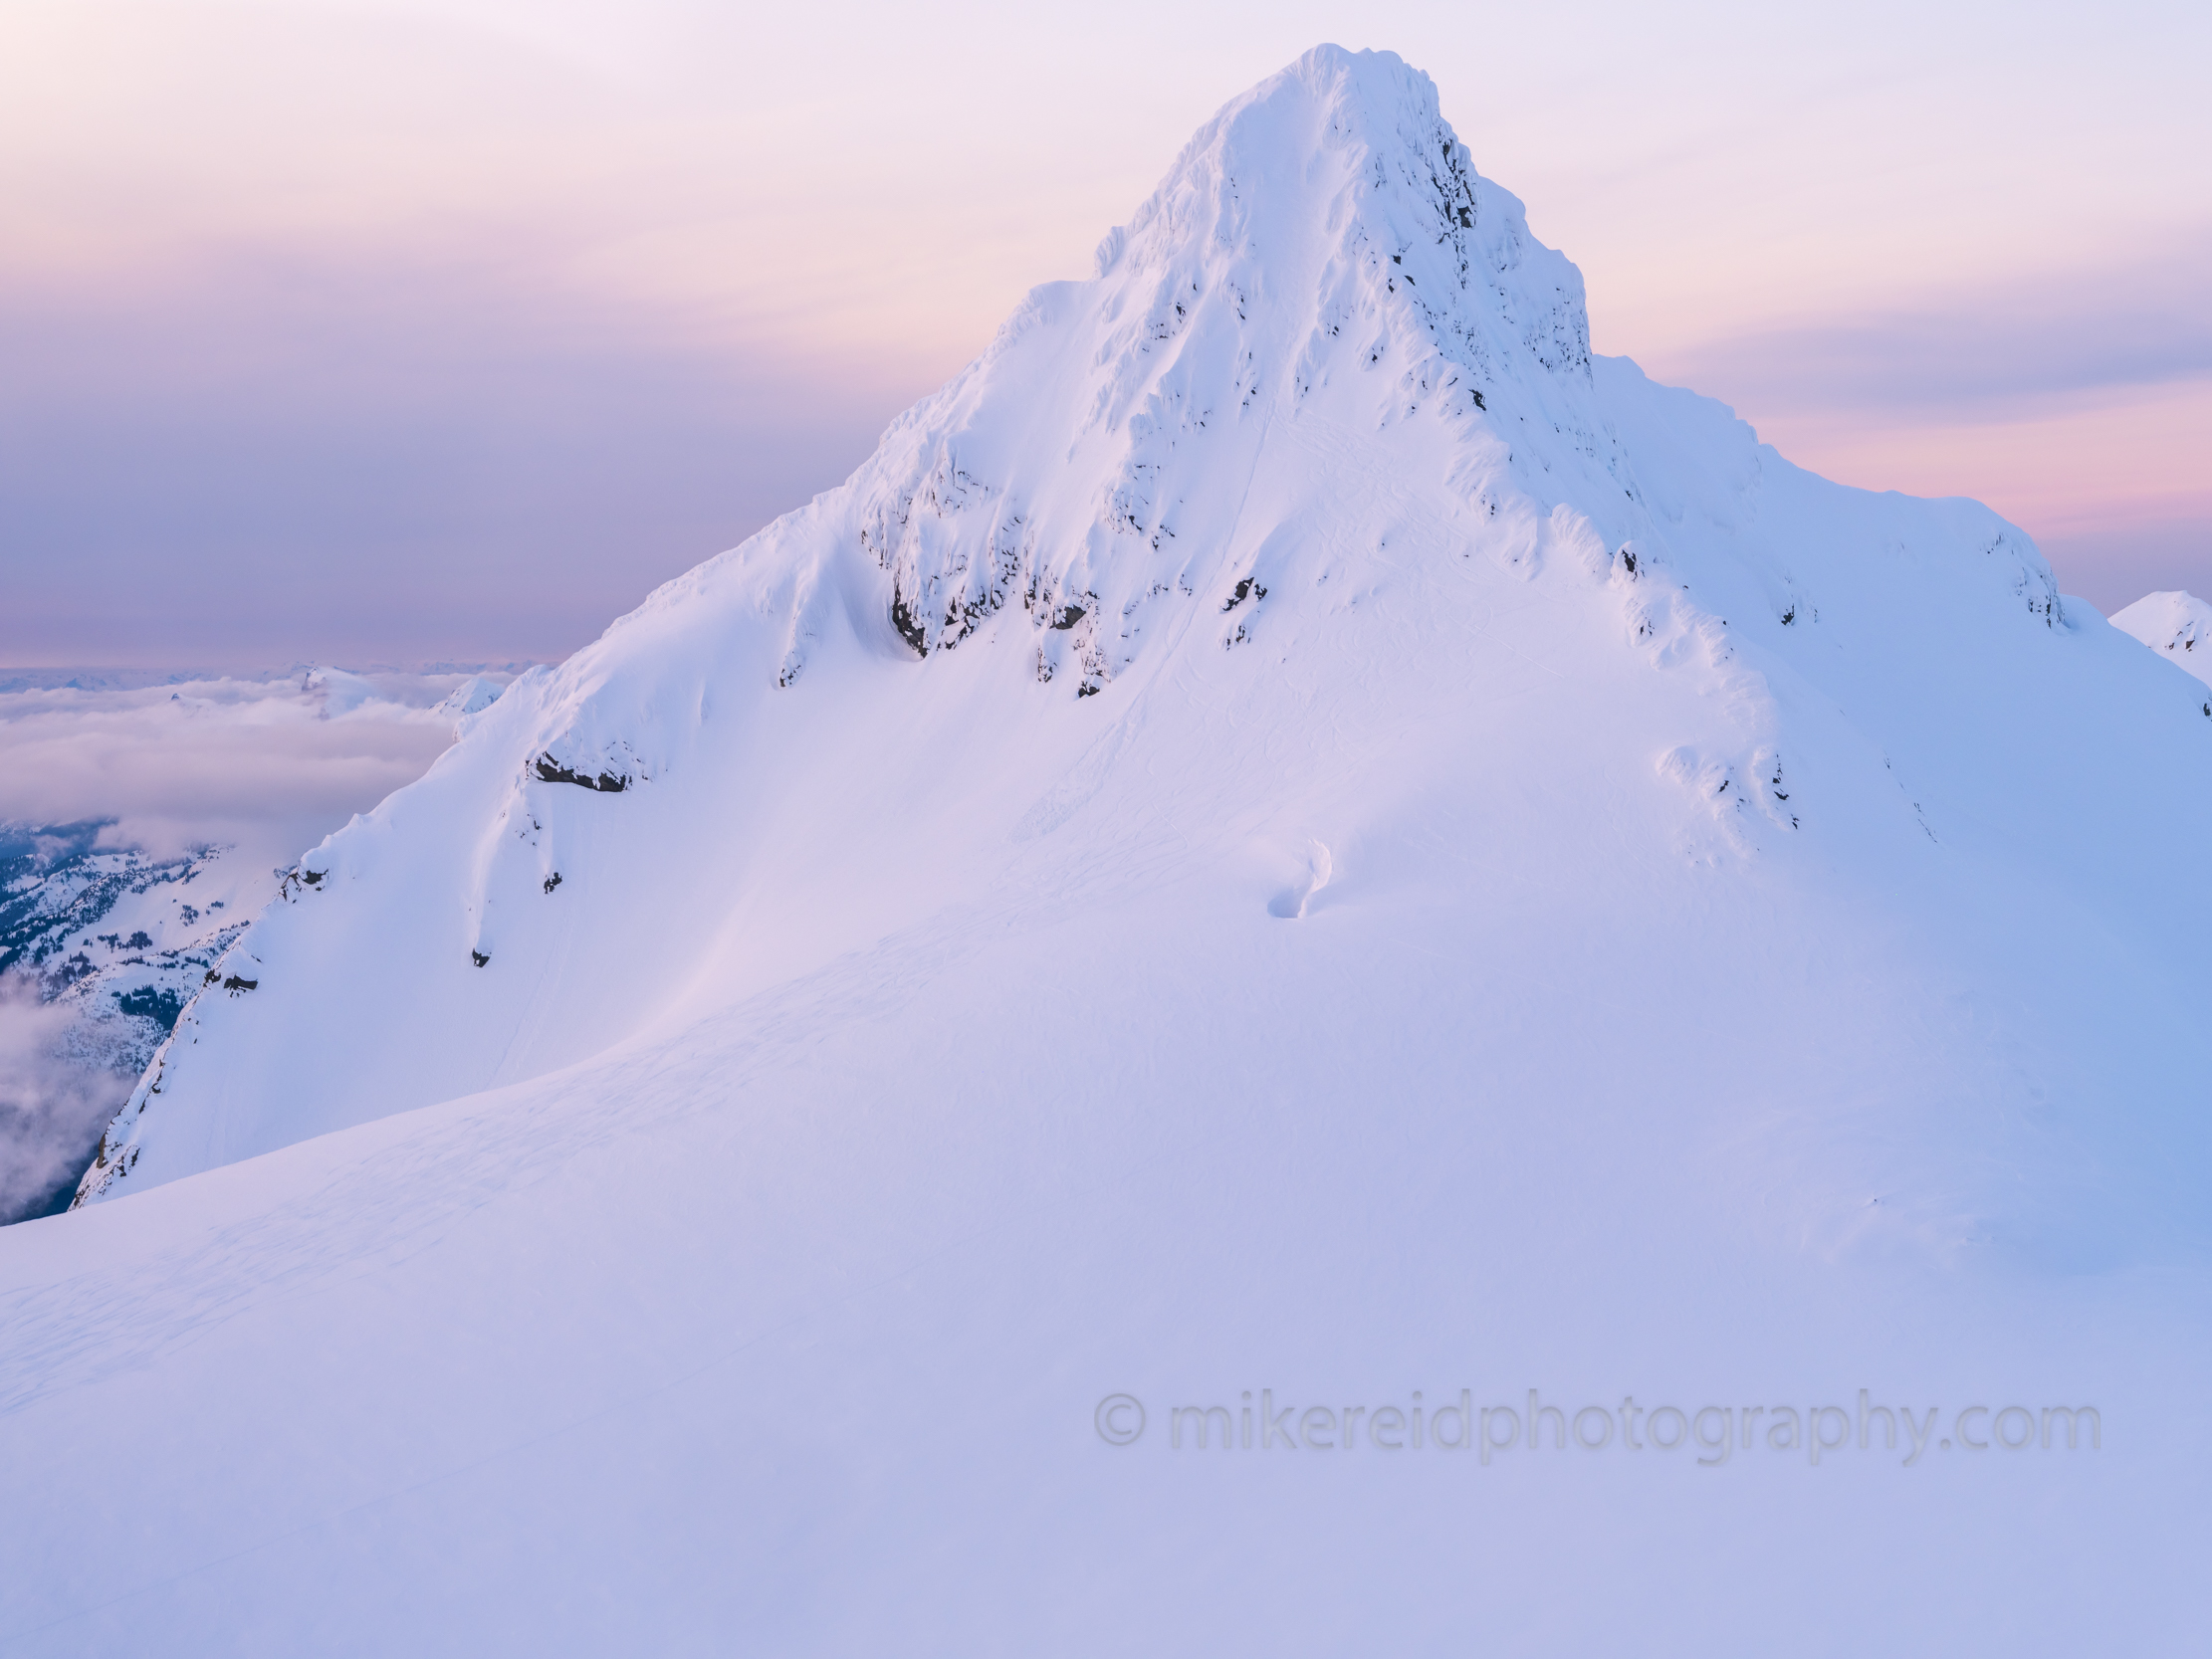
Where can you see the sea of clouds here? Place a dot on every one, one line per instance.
(259, 765)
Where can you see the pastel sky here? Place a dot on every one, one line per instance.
(394, 331)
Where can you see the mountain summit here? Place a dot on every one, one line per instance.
(1322, 245)
(1291, 834)
(1324, 428)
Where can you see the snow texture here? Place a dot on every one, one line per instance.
(1293, 833)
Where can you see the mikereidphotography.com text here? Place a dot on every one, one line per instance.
(1262, 1422)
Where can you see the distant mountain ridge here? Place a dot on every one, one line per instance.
(2177, 625)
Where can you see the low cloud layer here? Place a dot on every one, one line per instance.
(164, 765)
(53, 1107)
(265, 765)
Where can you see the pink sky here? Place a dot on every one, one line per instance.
(392, 332)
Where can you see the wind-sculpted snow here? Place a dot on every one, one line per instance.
(1289, 820)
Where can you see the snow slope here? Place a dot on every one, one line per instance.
(1291, 834)
(2176, 624)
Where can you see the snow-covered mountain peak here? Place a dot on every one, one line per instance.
(1322, 241)
(1321, 286)
(1342, 165)
(2177, 625)
(1288, 841)
(1308, 510)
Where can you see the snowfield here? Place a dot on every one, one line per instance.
(1291, 834)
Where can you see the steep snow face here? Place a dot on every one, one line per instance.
(2177, 625)
(1321, 443)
